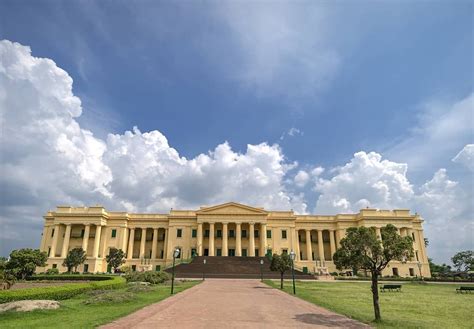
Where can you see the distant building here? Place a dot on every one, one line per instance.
(229, 230)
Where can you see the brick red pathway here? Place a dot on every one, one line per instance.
(225, 303)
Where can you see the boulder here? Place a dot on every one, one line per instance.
(29, 305)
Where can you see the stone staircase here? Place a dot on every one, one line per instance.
(232, 268)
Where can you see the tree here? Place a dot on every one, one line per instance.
(362, 249)
(74, 258)
(280, 263)
(464, 261)
(115, 258)
(441, 270)
(7, 279)
(23, 262)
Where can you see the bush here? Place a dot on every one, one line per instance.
(52, 271)
(148, 276)
(110, 297)
(65, 291)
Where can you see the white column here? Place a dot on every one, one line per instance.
(199, 239)
(105, 239)
(67, 236)
(295, 243)
(224, 240)
(321, 246)
(211, 239)
(263, 239)
(142, 243)
(124, 239)
(85, 238)
(154, 244)
(98, 230)
(55, 240)
(332, 243)
(379, 234)
(421, 239)
(338, 238)
(309, 249)
(166, 247)
(131, 239)
(43, 239)
(252, 239)
(238, 239)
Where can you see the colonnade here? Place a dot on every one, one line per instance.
(238, 238)
(320, 242)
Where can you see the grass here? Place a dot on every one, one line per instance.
(75, 313)
(417, 306)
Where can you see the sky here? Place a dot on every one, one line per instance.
(320, 107)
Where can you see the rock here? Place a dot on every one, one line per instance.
(29, 305)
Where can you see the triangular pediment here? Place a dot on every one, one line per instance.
(231, 208)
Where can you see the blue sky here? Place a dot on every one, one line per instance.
(321, 80)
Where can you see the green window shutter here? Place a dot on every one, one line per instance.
(114, 233)
(194, 233)
(269, 234)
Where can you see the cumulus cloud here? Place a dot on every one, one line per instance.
(366, 180)
(48, 159)
(301, 178)
(466, 157)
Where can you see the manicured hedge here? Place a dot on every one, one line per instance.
(69, 277)
(65, 291)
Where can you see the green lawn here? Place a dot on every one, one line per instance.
(417, 306)
(73, 313)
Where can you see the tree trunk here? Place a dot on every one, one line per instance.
(375, 295)
(281, 280)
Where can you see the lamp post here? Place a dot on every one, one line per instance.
(419, 268)
(175, 255)
(292, 257)
(261, 270)
(204, 269)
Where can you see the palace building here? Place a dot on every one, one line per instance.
(227, 230)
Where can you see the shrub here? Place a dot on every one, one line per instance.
(110, 297)
(65, 291)
(148, 276)
(52, 271)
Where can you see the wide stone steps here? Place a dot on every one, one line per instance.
(232, 268)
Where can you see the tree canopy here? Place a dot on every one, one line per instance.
(74, 258)
(280, 263)
(23, 262)
(115, 258)
(362, 249)
(463, 261)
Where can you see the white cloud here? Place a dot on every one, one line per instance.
(301, 178)
(317, 171)
(366, 180)
(466, 157)
(48, 159)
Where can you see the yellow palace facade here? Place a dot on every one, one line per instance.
(229, 230)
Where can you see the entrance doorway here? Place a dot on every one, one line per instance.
(231, 252)
(206, 252)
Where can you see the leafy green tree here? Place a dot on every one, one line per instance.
(280, 263)
(464, 261)
(74, 258)
(115, 258)
(435, 269)
(7, 279)
(23, 262)
(362, 249)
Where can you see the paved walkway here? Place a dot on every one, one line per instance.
(224, 303)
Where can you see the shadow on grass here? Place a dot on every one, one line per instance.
(329, 320)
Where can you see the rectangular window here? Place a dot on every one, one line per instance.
(284, 251)
(244, 252)
(55, 265)
(157, 268)
(194, 233)
(283, 234)
(86, 268)
(412, 271)
(52, 232)
(218, 252)
(256, 232)
(49, 251)
(134, 268)
(193, 252)
(256, 253)
(219, 233)
(231, 233)
(179, 232)
(244, 233)
(206, 233)
(269, 234)
(395, 271)
(114, 233)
